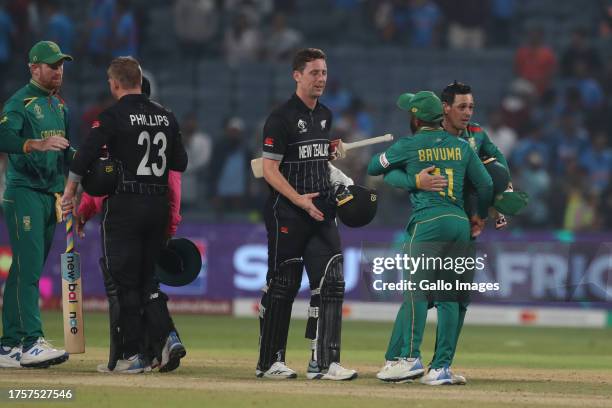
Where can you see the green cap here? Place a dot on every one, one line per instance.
(511, 202)
(425, 105)
(47, 52)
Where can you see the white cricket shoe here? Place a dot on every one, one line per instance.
(335, 372)
(278, 371)
(401, 370)
(458, 379)
(438, 376)
(42, 355)
(10, 357)
(133, 365)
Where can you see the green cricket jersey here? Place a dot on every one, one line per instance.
(452, 156)
(34, 113)
(477, 138)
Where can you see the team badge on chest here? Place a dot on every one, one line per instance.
(302, 126)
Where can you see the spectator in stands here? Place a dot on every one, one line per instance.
(196, 23)
(92, 112)
(580, 50)
(536, 61)
(591, 93)
(199, 150)
(582, 202)
(518, 106)
(125, 33)
(605, 208)
(229, 171)
(58, 28)
(534, 142)
(19, 12)
(597, 160)
(466, 23)
(502, 136)
(546, 111)
(605, 24)
(568, 142)
(382, 13)
(532, 177)
(425, 23)
(100, 26)
(282, 41)
(242, 42)
(7, 34)
(254, 10)
(502, 22)
(336, 97)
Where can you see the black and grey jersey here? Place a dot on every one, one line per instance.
(299, 138)
(141, 134)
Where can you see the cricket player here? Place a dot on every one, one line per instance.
(437, 217)
(145, 138)
(34, 131)
(300, 220)
(458, 107)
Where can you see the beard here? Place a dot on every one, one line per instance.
(413, 126)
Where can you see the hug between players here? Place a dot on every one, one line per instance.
(140, 199)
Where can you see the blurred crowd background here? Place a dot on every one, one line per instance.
(540, 71)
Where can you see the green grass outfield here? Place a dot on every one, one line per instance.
(505, 367)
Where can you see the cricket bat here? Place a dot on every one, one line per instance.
(257, 164)
(72, 295)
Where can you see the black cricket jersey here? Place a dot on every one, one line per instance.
(299, 138)
(141, 134)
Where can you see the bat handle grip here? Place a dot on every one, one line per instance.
(69, 233)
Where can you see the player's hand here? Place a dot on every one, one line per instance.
(68, 203)
(431, 182)
(53, 143)
(80, 225)
(305, 203)
(335, 150)
(500, 221)
(477, 225)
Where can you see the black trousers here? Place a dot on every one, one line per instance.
(133, 233)
(292, 233)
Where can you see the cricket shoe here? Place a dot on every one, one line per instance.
(458, 379)
(438, 376)
(133, 365)
(401, 370)
(10, 357)
(152, 366)
(42, 354)
(172, 353)
(278, 371)
(335, 372)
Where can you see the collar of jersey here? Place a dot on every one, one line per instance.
(39, 89)
(133, 96)
(302, 105)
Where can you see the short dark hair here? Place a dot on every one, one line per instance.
(304, 56)
(126, 71)
(456, 88)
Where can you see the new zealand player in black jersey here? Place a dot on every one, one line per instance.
(145, 138)
(301, 226)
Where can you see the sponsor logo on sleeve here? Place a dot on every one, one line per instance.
(269, 142)
(383, 160)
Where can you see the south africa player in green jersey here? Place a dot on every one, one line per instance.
(34, 131)
(438, 217)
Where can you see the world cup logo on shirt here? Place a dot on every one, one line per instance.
(302, 126)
